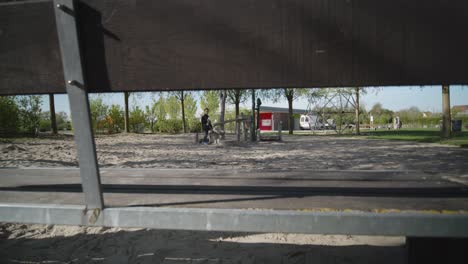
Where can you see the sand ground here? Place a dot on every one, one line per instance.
(295, 152)
(72, 244)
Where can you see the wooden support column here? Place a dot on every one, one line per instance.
(253, 135)
(356, 109)
(53, 119)
(446, 117)
(127, 119)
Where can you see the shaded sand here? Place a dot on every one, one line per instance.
(61, 244)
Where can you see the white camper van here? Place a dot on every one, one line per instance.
(313, 122)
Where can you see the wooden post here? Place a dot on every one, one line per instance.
(238, 128)
(356, 109)
(127, 119)
(182, 102)
(252, 124)
(53, 120)
(280, 127)
(446, 117)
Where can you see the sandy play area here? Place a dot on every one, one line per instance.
(71, 244)
(295, 152)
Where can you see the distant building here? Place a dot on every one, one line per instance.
(461, 109)
(270, 118)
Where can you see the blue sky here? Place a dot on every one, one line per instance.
(426, 98)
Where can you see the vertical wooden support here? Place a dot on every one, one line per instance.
(252, 128)
(127, 118)
(65, 16)
(356, 109)
(238, 128)
(446, 117)
(280, 127)
(53, 119)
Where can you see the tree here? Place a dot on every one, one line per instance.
(137, 120)
(172, 107)
(181, 96)
(376, 109)
(30, 113)
(53, 118)
(98, 112)
(63, 121)
(210, 100)
(236, 97)
(381, 115)
(151, 116)
(190, 106)
(117, 115)
(9, 116)
(290, 94)
(356, 109)
(222, 106)
(160, 110)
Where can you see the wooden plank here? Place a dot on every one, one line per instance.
(131, 45)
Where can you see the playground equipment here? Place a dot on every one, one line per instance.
(243, 126)
(332, 110)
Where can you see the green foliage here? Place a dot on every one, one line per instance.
(9, 116)
(194, 125)
(151, 117)
(137, 120)
(116, 114)
(210, 100)
(29, 113)
(231, 115)
(173, 108)
(169, 126)
(98, 113)
(380, 114)
(61, 118)
(237, 96)
(420, 135)
(190, 107)
(45, 125)
(160, 108)
(63, 122)
(286, 93)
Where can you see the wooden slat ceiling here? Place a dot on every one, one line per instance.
(137, 45)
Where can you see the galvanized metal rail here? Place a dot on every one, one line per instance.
(350, 223)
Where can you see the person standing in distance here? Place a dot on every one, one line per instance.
(206, 125)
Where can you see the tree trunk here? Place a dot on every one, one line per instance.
(223, 110)
(446, 117)
(127, 119)
(237, 103)
(182, 100)
(53, 120)
(291, 118)
(356, 109)
(253, 133)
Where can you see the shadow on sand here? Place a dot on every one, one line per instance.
(104, 245)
